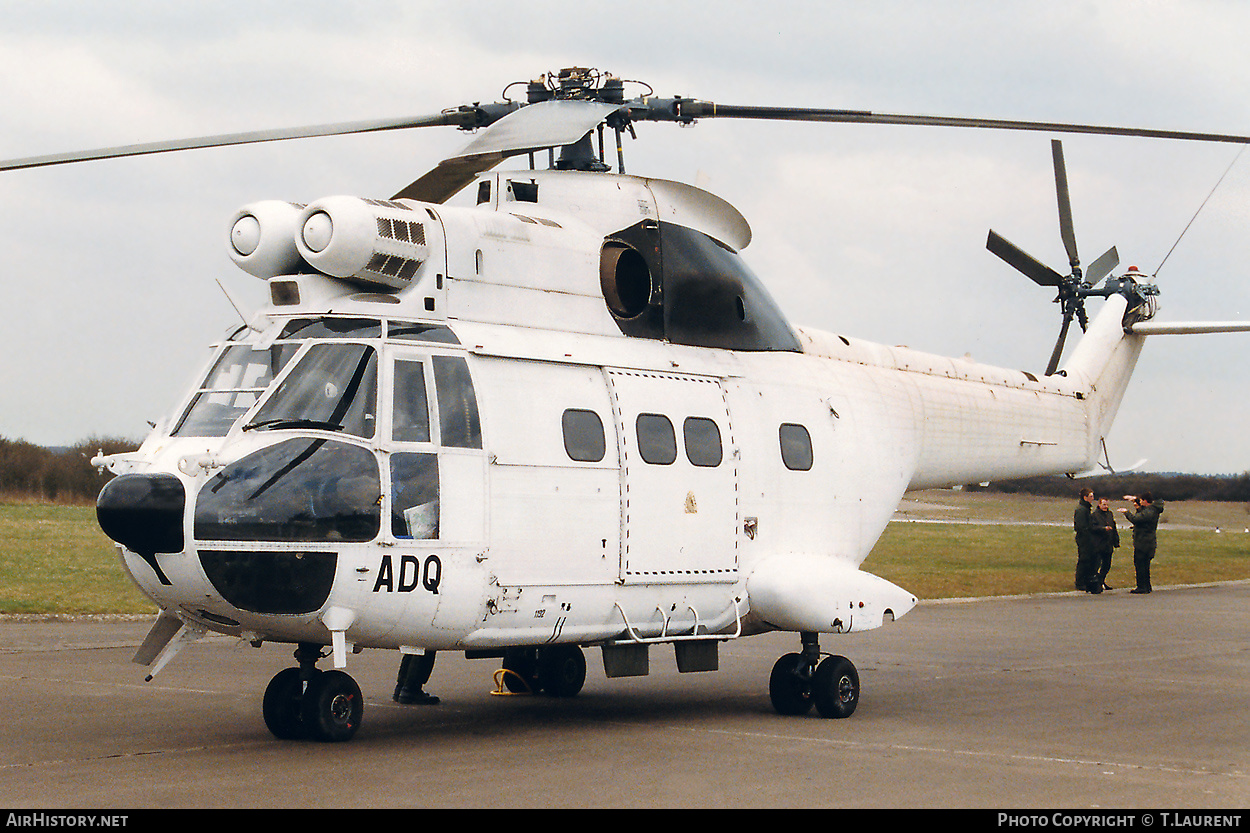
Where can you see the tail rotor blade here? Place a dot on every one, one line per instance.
(1065, 204)
(1102, 267)
(1058, 351)
(1035, 270)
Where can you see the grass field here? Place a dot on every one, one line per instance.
(991, 544)
(54, 559)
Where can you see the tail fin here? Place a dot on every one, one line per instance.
(1102, 364)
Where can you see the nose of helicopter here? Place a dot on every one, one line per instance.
(143, 512)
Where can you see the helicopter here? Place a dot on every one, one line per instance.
(566, 417)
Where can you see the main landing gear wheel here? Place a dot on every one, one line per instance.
(332, 707)
(281, 706)
(561, 670)
(556, 670)
(522, 663)
(306, 702)
(790, 685)
(801, 680)
(835, 687)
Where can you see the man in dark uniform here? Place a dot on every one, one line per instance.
(414, 673)
(1107, 538)
(1145, 520)
(1082, 524)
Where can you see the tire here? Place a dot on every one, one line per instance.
(561, 670)
(523, 664)
(281, 705)
(835, 687)
(789, 686)
(332, 707)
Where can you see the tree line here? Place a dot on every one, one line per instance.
(1165, 486)
(65, 475)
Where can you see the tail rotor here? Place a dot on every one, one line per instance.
(1073, 288)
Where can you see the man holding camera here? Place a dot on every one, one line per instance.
(1145, 520)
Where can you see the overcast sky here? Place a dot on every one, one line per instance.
(108, 271)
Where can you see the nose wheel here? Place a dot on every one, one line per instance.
(306, 702)
(802, 680)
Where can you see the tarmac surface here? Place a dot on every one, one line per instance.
(1064, 701)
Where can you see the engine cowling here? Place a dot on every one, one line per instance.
(379, 242)
(262, 239)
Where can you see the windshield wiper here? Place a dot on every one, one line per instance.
(294, 423)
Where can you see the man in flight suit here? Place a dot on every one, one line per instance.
(1082, 524)
(1107, 538)
(1145, 520)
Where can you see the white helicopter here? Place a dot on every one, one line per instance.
(566, 417)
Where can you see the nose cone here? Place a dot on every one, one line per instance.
(143, 512)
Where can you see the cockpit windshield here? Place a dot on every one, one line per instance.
(334, 387)
(233, 385)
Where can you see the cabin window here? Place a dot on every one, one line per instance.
(796, 447)
(233, 385)
(457, 403)
(657, 442)
(334, 388)
(410, 421)
(703, 444)
(584, 439)
(298, 490)
(414, 495)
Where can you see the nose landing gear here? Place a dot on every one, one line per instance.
(801, 680)
(306, 702)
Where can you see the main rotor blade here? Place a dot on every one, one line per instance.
(1066, 230)
(534, 127)
(689, 109)
(1102, 267)
(537, 127)
(1032, 268)
(459, 117)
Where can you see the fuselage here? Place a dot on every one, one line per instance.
(517, 443)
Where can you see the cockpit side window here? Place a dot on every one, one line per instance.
(414, 495)
(410, 415)
(458, 419)
(333, 388)
(233, 385)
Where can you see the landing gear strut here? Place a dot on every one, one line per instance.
(803, 679)
(306, 702)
